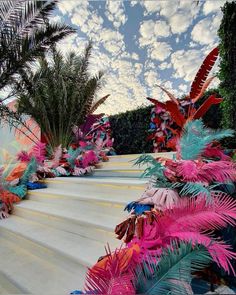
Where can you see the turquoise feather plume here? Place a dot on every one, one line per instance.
(31, 168)
(19, 190)
(196, 137)
(73, 154)
(172, 273)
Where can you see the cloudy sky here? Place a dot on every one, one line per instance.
(139, 44)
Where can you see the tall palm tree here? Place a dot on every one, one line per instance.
(59, 94)
(25, 33)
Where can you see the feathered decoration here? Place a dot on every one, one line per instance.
(196, 137)
(89, 158)
(203, 72)
(136, 208)
(23, 156)
(217, 171)
(17, 172)
(172, 272)
(19, 190)
(190, 221)
(114, 278)
(160, 198)
(73, 155)
(95, 106)
(8, 197)
(35, 185)
(203, 89)
(39, 152)
(201, 111)
(5, 210)
(31, 168)
(56, 157)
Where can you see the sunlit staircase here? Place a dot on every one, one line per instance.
(54, 235)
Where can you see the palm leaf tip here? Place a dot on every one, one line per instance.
(173, 271)
(196, 137)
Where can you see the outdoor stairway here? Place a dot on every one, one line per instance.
(54, 235)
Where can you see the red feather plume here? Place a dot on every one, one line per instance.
(203, 72)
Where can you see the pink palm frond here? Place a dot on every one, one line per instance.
(39, 152)
(188, 170)
(89, 158)
(112, 278)
(220, 171)
(56, 157)
(23, 156)
(200, 215)
(215, 152)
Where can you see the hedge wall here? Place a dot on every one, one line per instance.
(130, 130)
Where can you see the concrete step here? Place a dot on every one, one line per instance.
(68, 245)
(131, 157)
(27, 268)
(97, 223)
(107, 188)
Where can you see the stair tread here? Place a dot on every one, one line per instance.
(80, 213)
(72, 245)
(18, 265)
(99, 196)
(101, 180)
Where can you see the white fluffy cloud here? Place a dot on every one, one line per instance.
(212, 6)
(115, 13)
(159, 51)
(151, 30)
(180, 22)
(186, 63)
(205, 31)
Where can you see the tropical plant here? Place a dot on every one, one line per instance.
(173, 271)
(59, 94)
(25, 33)
(227, 73)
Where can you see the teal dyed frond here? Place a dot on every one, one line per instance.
(73, 154)
(194, 189)
(156, 170)
(144, 159)
(31, 168)
(196, 137)
(172, 273)
(19, 190)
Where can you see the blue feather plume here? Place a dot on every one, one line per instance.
(137, 208)
(35, 185)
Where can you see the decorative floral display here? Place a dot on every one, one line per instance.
(80, 159)
(168, 118)
(171, 232)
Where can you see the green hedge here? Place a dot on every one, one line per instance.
(130, 131)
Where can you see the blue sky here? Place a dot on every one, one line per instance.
(139, 44)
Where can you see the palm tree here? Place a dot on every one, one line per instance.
(59, 94)
(25, 33)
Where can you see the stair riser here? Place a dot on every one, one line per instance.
(118, 173)
(129, 158)
(8, 286)
(110, 208)
(128, 192)
(28, 274)
(72, 226)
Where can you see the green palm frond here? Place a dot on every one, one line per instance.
(31, 168)
(173, 271)
(196, 137)
(58, 94)
(26, 33)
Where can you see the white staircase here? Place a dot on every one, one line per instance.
(54, 235)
